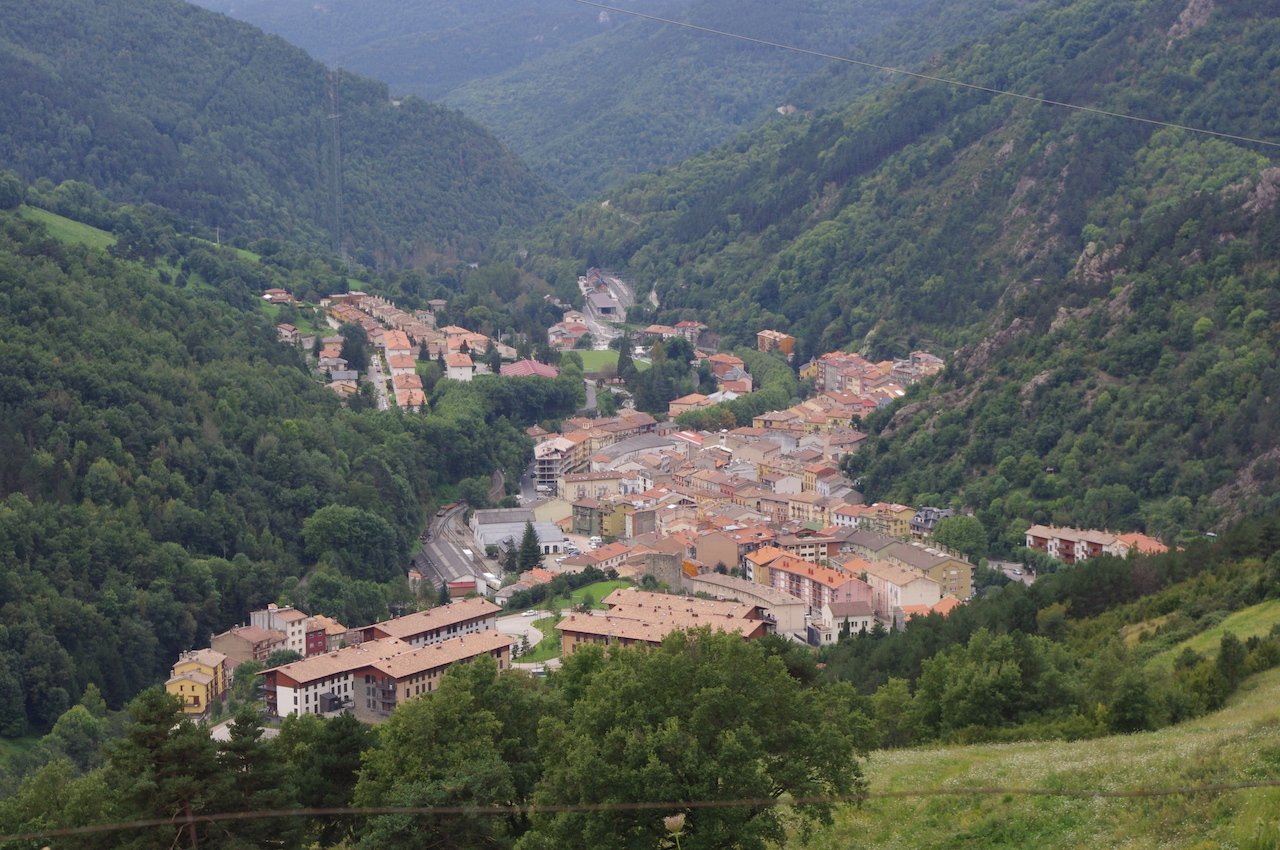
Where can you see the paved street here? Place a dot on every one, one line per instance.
(518, 626)
(1014, 570)
(379, 382)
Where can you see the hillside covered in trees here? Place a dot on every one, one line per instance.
(1110, 284)
(631, 748)
(159, 101)
(591, 98)
(166, 465)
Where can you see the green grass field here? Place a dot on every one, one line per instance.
(1239, 744)
(66, 230)
(595, 361)
(1245, 623)
(598, 591)
(549, 646)
(242, 253)
(303, 323)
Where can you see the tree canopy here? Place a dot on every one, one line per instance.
(703, 717)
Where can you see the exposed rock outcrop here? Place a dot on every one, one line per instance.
(1194, 16)
(1265, 194)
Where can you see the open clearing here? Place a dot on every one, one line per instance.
(1239, 744)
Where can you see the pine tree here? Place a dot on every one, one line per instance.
(165, 767)
(258, 782)
(493, 358)
(626, 367)
(530, 549)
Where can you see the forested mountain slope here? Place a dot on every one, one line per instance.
(1114, 281)
(590, 98)
(166, 465)
(159, 101)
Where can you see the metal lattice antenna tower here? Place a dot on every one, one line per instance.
(335, 171)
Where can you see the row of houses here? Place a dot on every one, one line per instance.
(1071, 545)
(201, 677)
(698, 334)
(846, 371)
(323, 680)
(582, 439)
(389, 662)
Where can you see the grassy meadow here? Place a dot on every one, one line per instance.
(1256, 620)
(68, 231)
(1239, 744)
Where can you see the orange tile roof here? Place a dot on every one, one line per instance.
(446, 652)
(823, 575)
(402, 361)
(1144, 544)
(946, 605)
(343, 660)
(395, 340)
(435, 618)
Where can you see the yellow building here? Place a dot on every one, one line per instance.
(893, 520)
(770, 340)
(614, 522)
(198, 679)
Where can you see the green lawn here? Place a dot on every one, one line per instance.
(1237, 745)
(1245, 623)
(549, 646)
(598, 591)
(66, 230)
(303, 323)
(596, 361)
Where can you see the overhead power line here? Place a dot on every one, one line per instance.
(929, 77)
(670, 806)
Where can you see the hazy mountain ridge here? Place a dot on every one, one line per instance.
(428, 48)
(591, 98)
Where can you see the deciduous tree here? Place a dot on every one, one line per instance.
(703, 717)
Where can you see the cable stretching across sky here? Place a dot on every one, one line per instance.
(931, 78)
(498, 810)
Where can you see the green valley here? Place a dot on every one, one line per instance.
(590, 97)
(1061, 317)
(1108, 288)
